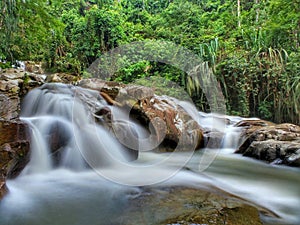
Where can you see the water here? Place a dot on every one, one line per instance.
(85, 176)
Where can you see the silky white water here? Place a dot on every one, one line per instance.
(80, 174)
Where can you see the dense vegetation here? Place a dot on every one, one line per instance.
(251, 45)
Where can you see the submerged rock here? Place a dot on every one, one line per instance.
(277, 144)
(186, 206)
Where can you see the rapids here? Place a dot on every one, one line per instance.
(88, 177)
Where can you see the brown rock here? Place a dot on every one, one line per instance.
(3, 189)
(14, 147)
(170, 123)
(252, 125)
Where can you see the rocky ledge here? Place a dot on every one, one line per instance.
(276, 144)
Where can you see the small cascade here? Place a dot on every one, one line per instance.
(223, 129)
(64, 132)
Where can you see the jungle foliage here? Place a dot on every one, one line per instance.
(252, 46)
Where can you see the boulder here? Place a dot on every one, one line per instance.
(277, 144)
(251, 125)
(181, 205)
(213, 139)
(14, 148)
(170, 123)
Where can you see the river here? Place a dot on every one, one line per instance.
(91, 185)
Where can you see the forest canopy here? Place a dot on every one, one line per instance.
(252, 46)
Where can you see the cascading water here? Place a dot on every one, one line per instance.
(74, 159)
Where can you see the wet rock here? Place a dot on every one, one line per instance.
(169, 123)
(186, 206)
(14, 148)
(3, 188)
(277, 144)
(213, 139)
(169, 120)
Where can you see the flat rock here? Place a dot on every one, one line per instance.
(277, 144)
(189, 206)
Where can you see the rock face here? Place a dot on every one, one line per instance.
(277, 144)
(14, 148)
(171, 124)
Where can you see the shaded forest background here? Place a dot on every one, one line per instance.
(252, 46)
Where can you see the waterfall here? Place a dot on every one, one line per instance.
(64, 131)
(79, 173)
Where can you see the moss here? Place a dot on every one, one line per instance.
(186, 206)
(26, 79)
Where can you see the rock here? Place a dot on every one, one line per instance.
(111, 88)
(62, 78)
(277, 144)
(169, 122)
(34, 67)
(14, 148)
(251, 125)
(10, 82)
(3, 188)
(14, 84)
(214, 138)
(182, 205)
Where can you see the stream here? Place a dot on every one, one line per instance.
(92, 179)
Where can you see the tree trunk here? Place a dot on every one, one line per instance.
(239, 12)
(257, 11)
